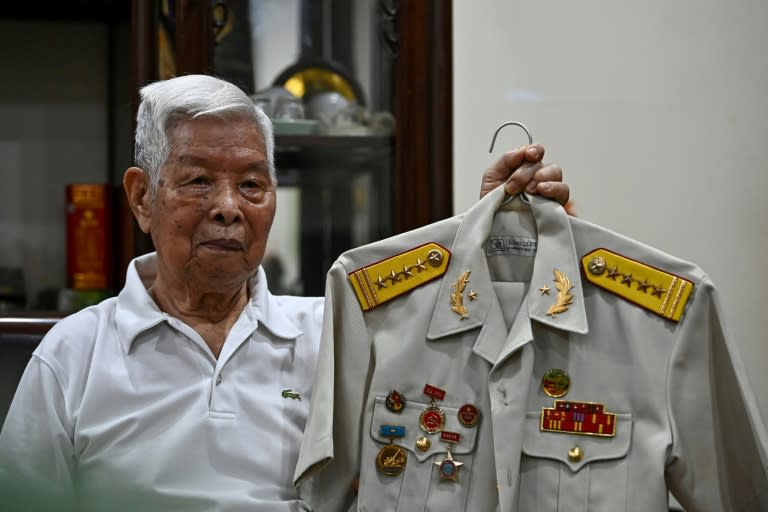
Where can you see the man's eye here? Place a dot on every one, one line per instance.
(251, 185)
(199, 180)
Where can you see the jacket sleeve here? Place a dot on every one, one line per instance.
(329, 459)
(718, 457)
(36, 449)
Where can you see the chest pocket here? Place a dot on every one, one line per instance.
(586, 472)
(419, 484)
(409, 418)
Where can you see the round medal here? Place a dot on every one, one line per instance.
(555, 383)
(432, 420)
(391, 459)
(468, 415)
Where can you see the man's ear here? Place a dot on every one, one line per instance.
(136, 185)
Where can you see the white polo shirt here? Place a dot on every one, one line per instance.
(128, 404)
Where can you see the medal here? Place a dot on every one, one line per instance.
(392, 458)
(432, 419)
(468, 415)
(449, 467)
(395, 402)
(555, 383)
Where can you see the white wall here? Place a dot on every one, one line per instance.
(656, 111)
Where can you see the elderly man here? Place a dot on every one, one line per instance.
(190, 390)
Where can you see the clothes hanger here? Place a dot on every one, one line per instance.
(508, 123)
(523, 197)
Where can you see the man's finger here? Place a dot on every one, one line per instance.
(520, 179)
(534, 153)
(559, 192)
(507, 164)
(548, 172)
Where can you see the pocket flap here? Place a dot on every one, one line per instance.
(559, 446)
(409, 418)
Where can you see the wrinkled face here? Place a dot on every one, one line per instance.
(214, 205)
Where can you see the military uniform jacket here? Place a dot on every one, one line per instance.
(598, 367)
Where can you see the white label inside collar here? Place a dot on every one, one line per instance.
(510, 245)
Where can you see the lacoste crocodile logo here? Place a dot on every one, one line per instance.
(289, 393)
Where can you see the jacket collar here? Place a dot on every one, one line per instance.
(137, 311)
(555, 250)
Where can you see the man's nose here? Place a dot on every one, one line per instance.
(225, 207)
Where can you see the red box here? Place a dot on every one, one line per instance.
(89, 241)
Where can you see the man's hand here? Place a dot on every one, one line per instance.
(522, 170)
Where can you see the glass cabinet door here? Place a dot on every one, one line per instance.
(309, 65)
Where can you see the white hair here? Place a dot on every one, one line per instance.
(166, 102)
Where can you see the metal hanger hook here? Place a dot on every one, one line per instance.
(521, 125)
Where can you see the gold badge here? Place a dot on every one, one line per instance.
(555, 383)
(392, 459)
(564, 297)
(423, 443)
(457, 296)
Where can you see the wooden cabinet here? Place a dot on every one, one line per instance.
(411, 169)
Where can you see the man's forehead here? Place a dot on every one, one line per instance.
(192, 158)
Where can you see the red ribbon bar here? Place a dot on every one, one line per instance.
(450, 437)
(436, 393)
(578, 418)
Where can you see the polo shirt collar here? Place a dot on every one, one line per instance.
(555, 250)
(137, 312)
(264, 308)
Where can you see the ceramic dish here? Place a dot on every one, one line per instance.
(294, 127)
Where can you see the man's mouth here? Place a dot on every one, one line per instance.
(224, 244)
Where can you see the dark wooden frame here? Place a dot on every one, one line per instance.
(423, 107)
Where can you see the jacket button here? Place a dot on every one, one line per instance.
(575, 454)
(435, 258)
(597, 265)
(218, 379)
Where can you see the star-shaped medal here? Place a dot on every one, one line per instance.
(449, 468)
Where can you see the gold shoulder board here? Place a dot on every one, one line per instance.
(655, 290)
(392, 277)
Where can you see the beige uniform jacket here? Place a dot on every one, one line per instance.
(685, 418)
